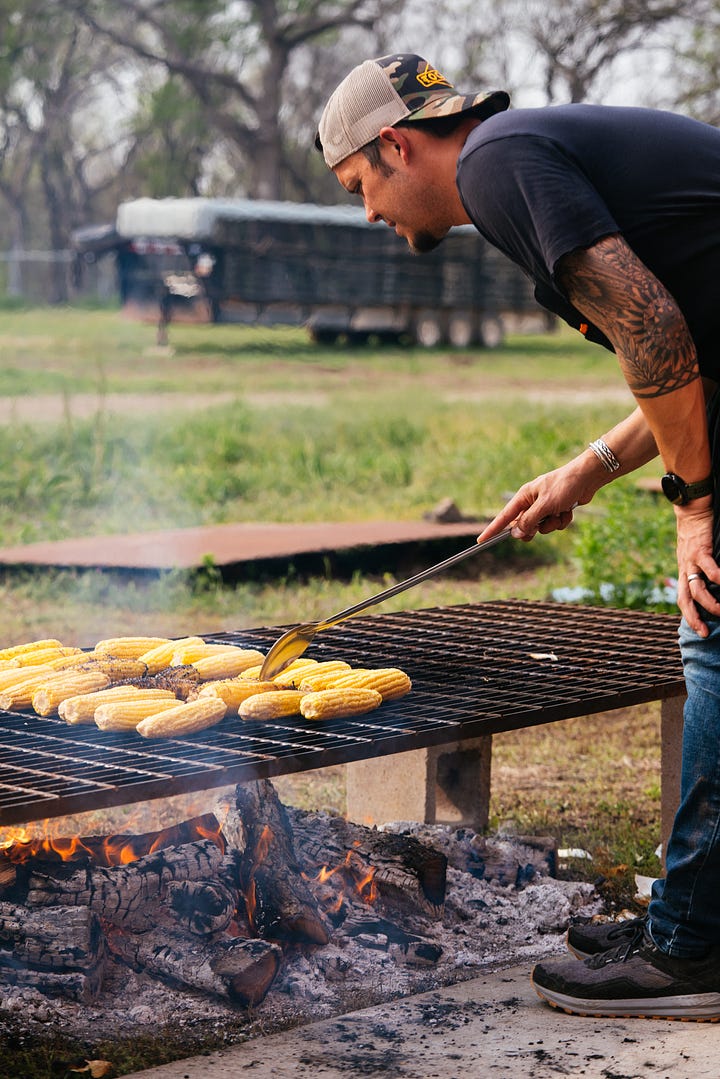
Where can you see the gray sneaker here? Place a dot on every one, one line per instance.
(591, 939)
(635, 979)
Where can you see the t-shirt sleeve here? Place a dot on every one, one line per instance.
(529, 198)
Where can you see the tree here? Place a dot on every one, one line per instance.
(234, 58)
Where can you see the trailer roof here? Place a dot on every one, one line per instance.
(198, 218)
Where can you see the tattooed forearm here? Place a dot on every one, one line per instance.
(609, 284)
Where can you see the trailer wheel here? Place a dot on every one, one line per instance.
(492, 332)
(428, 328)
(462, 329)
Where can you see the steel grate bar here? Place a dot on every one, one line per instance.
(476, 669)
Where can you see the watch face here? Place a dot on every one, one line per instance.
(672, 487)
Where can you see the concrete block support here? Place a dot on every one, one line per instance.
(448, 784)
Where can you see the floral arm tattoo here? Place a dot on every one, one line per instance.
(612, 287)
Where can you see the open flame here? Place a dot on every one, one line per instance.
(18, 846)
(249, 890)
(356, 874)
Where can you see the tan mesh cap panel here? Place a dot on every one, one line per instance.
(364, 102)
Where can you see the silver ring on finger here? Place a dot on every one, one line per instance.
(693, 577)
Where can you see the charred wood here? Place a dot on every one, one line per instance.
(200, 907)
(240, 970)
(280, 904)
(127, 895)
(406, 872)
(60, 950)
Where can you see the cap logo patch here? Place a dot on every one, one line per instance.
(431, 77)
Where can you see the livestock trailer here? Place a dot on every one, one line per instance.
(326, 267)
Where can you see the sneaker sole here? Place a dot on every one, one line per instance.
(698, 1008)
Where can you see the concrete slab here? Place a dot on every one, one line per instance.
(491, 1026)
(230, 544)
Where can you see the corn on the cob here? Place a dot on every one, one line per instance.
(271, 705)
(253, 673)
(234, 691)
(157, 659)
(130, 647)
(63, 663)
(335, 703)
(46, 697)
(390, 682)
(116, 668)
(227, 664)
(20, 693)
(293, 675)
(82, 707)
(13, 676)
(43, 655)
(30, 646)
(323, 675)
(125, 715)
(184, 719)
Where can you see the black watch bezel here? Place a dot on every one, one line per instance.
(677, 491)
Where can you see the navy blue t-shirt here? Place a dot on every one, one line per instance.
(539, 183)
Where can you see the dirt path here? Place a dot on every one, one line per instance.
(41, 409)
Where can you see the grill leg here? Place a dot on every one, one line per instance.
(671, 732)
(447, 784)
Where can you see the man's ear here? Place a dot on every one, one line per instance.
(398, 140)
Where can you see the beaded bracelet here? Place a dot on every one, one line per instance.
(605, 455)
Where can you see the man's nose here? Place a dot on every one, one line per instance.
(371, 215)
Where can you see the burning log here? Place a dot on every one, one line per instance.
(128, 896)
(60, 951)
(239, 970)
(280, 904)
(200, 907)
(403, 870)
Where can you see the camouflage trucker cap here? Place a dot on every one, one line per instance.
(382, 92)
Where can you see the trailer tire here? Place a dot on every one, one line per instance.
(462, 329)
(428, 329)
(492, 332)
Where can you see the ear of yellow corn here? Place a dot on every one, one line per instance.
(336, 703)
(323, 675)
(125, 715)
(390, 682)
(62, 663)
(43, 655)
(253, 673)
(117, 667)
(157, 659)
(234, 691)
(29, 646)
(271, 705)
(20, 693)
(293, 675)
(184, 719)
(13, 676)
(130, 647)
(82, 707)
(227, 664)
(47, 697)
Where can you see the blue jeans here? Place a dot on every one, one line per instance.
(684, 913)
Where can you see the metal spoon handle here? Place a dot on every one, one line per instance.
(431, 571)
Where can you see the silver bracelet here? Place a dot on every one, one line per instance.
(605, 455)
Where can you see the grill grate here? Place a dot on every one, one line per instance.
(473, 673)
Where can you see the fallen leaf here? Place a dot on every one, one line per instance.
(96, 1069)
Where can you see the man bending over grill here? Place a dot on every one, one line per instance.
(615, 215)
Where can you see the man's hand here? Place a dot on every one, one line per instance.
(545, 504)
(696, 565)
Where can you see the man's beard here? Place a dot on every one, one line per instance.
(422, 242)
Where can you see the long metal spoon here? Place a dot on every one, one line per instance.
(294, 642)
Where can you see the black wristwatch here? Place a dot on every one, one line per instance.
(677, 491)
